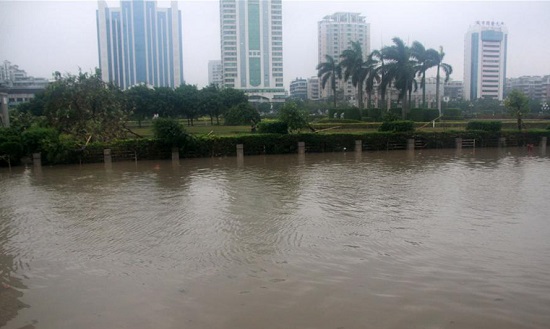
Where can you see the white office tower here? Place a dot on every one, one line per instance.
(485, 60)
(336, 32)
(252, 48)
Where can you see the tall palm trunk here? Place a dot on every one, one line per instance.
(424, 89)
(437, 90)
(334, 88)
(360, 94)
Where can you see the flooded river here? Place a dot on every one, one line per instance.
(432, 239)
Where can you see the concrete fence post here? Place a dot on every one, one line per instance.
(358, 145)
(175, 154)
(301, 147)
(107, 155)
(37, 159)
(458, 143)
(502, 142)
(543, 142)
(410, 144)
(240, 150)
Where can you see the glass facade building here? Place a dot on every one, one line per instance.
(140, 43)
(252, 47)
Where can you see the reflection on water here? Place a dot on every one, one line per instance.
(429, 239)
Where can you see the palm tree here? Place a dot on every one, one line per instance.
(426, 59)
(400, 69)
(383, 79)
(448, 69)
(373, 76)
(329, 70)
(355, 68)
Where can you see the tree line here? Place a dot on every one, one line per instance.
(83, 105)
(396, 66)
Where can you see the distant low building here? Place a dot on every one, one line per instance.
(534, 87)
(454, 90)
(298, 89)
(215, 73)
(18, 86)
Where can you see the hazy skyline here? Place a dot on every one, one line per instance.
(46, 36)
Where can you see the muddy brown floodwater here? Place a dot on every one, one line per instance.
(425, 239)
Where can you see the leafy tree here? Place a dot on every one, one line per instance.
(355, 68)
(86, 107)
(231, 97)
(169, 131)
(140, 101)
(242, 114)
(188, 102)
(165, 102)
(518, 105)
(210, 102)
(329, 70)
(293, 116)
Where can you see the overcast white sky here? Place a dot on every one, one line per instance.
(47, 36)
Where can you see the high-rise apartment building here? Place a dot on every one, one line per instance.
(336, 32)
(140, 43)
(314, 88)
(252, 47)
(485, 60)
(215, 73)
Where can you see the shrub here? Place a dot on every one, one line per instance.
(396, 111)
(397, 126)
(36, 139)
(293, 116)
(416, 114)
(452, 114)
(241, 114)
(273, 127)
(494, 126)
(351, 113)
(375, 114)
(169, 131)
(430, 114)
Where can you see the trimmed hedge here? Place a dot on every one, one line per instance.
(352, 113)
(452, 114)
(66, 151)
(273, 127)
(494, 126)
(397, 126)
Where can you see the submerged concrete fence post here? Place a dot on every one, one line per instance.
(107, 155)
(240, 150)
(358, 145)
(410, 144)
(175, 154)
(543, 141)
(502, 142)
(458, 143)
(37, 159)
(301, 147)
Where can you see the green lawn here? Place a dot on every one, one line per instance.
(203, 127)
